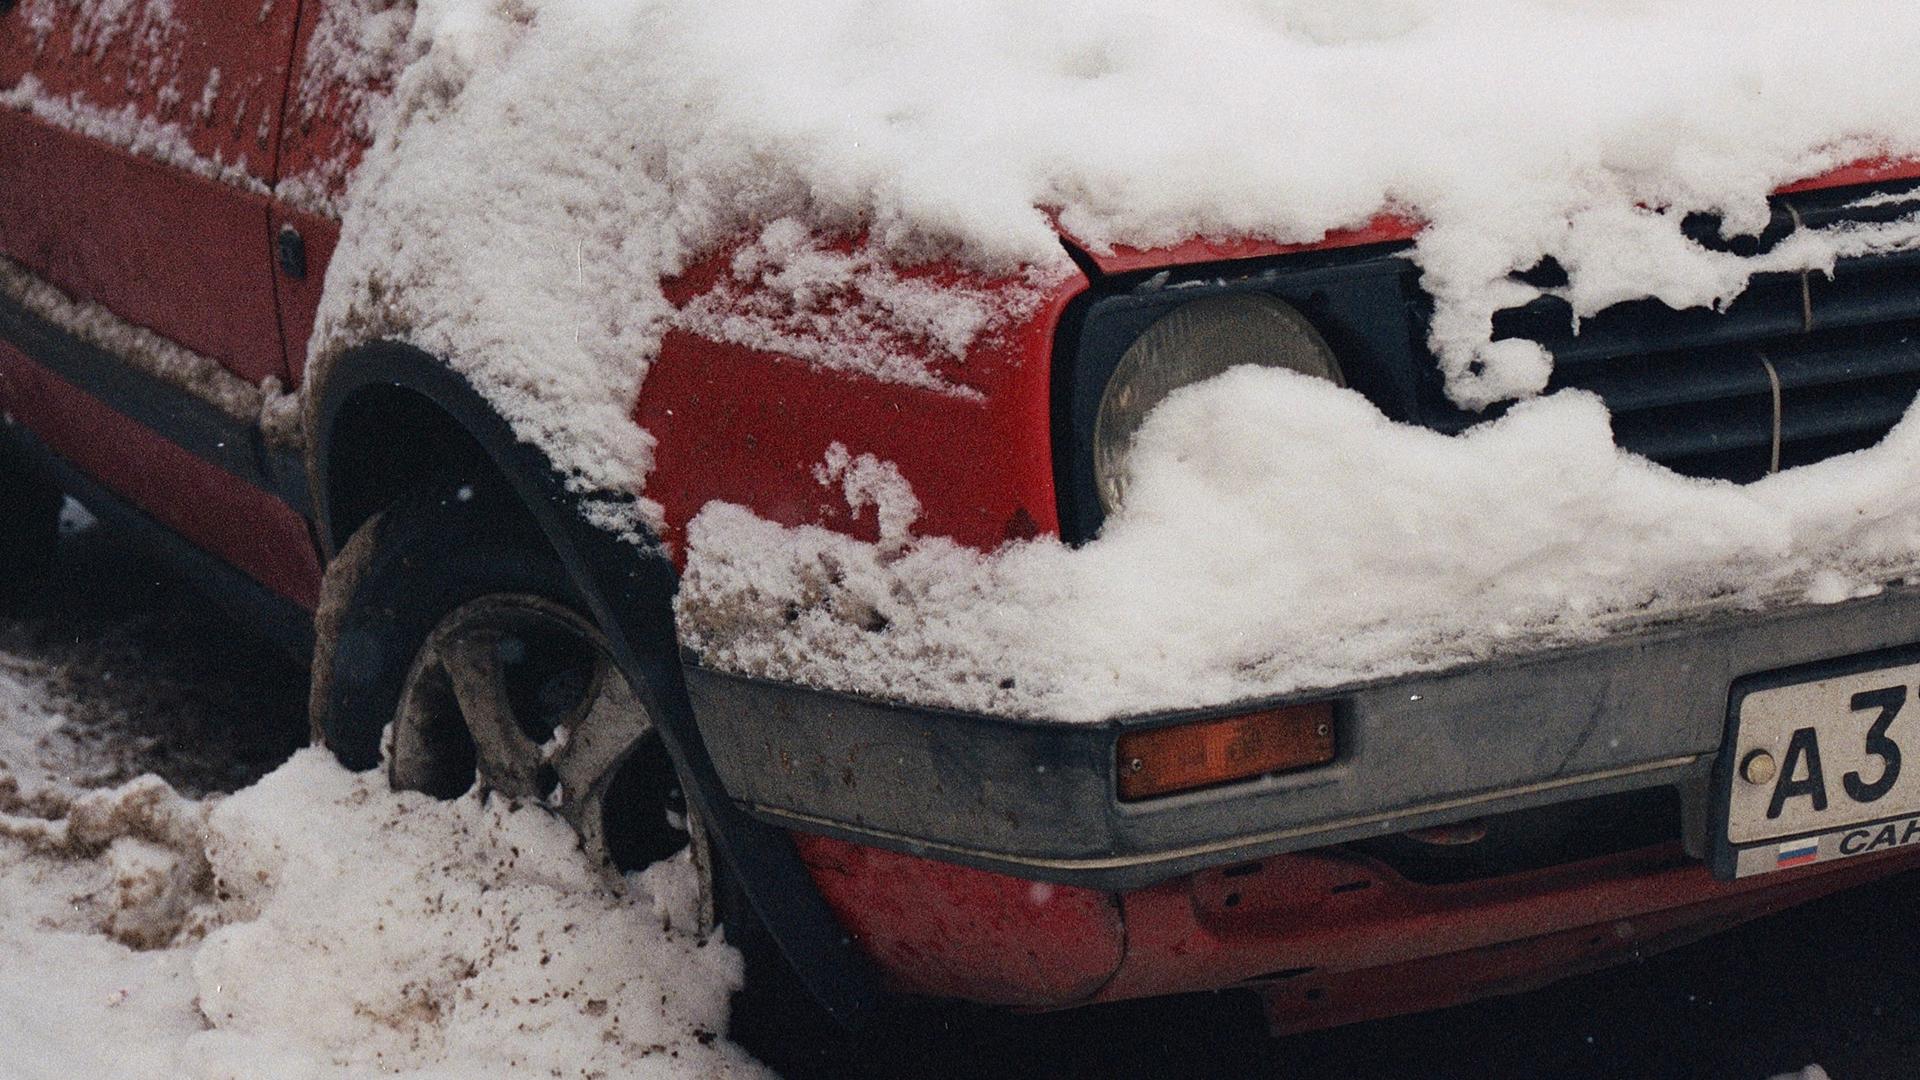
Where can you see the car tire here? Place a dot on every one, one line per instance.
(451, 648)
(404, 573)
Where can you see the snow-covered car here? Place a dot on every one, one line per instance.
(1035, 622)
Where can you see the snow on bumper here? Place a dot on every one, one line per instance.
(1282, 535)
(1520, 615)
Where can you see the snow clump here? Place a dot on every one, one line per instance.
(1281, 534)
(317, 925)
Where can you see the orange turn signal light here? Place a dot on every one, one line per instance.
(1187, 757)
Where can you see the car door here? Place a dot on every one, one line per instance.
(138, 145)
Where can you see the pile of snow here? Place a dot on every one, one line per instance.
(543, 164)
(317, 925)
(1280, 533)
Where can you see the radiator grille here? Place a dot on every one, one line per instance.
(1696, 390)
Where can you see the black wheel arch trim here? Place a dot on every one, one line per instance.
(629, 590)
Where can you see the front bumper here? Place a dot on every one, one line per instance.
(1332, 938)
(1036, 800)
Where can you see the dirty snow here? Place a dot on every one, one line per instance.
(545, 163)
(1279, 534)
(316, 925)
(344, 92)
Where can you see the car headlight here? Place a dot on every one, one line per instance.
(1189, 344)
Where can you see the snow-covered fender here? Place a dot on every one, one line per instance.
(628, 589)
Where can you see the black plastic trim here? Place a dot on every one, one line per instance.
(235, 446)
(629, 589)
(1341, 292)
(1036, 799)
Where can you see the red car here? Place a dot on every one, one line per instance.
(1349, 851)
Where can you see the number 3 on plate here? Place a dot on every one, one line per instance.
(1803, 755)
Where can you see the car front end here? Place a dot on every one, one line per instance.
(1458, 823)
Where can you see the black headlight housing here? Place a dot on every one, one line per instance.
(1363, 303)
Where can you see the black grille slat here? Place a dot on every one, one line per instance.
(1695, 390)
(1636, 383)
(1663, 434)
(1644, 326)
(1853, 358)
(1771, 308)
(1874, 409)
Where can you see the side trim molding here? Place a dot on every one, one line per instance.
(237, 447)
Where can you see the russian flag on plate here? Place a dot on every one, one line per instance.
(1797, 853)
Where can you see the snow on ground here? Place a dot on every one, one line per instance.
(1280, 533)
(315, 926)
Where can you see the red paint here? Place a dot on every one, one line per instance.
(1329, 937)
(939, 930)
(1316, 1001)
(164, 248)
(162, 70)
(1383, 229)
(324, 137)
(221, 515)
(192, 259)
(1330, 917)
(181, 255)
(1870, 171)
(747, 427)
(322, 142)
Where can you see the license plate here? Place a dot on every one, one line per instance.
(1818, 769)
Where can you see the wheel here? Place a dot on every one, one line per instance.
(447, 624)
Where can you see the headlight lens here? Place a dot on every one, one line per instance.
(1187, 345)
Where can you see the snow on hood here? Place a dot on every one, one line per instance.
(544, 163)
(1280, 534)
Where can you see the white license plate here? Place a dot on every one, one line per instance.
(1822, 769)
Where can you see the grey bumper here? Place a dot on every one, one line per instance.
(1037, 800)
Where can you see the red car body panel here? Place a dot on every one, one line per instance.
(1121, 259)
(1326, 937)
(182, 255)
(159, 245)
(1511, 965)
(318, 146)
(1332, 936)
(243, 525)
(940, 930)
(738, 425)
(299, 298)
(170, 284)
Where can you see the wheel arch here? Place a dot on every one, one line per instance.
(357, 463)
